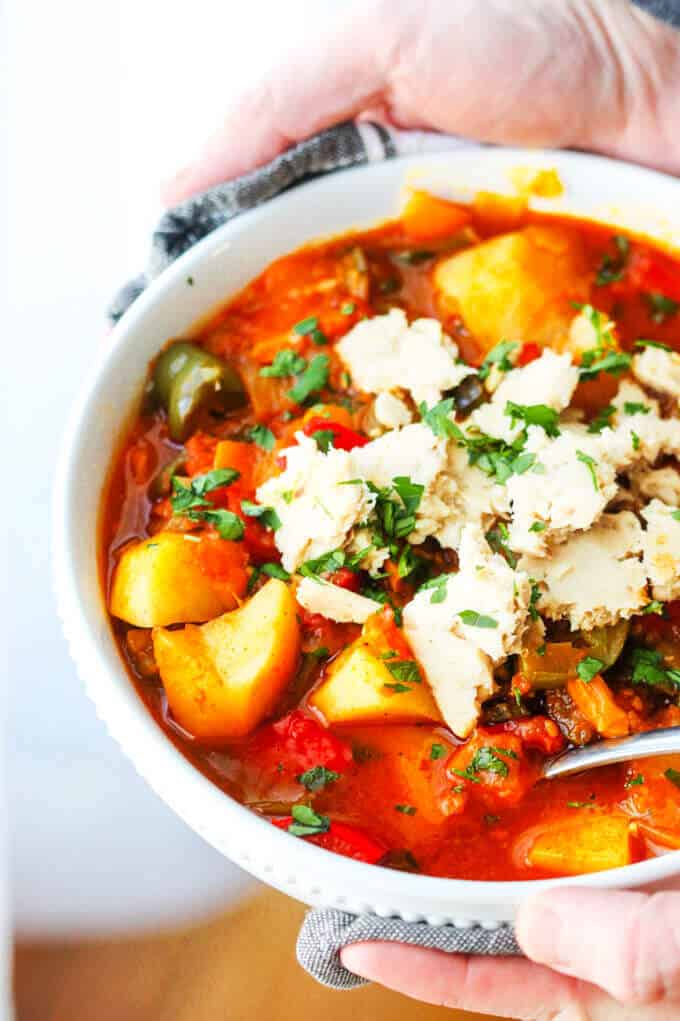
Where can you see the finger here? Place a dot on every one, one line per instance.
(627, 943)
(331, 79)
(505, 987)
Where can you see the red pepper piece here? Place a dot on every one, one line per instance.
(343, 839)
(653, 272)
(345, 578)
(299, 742)
(343, 438)
(529, 352)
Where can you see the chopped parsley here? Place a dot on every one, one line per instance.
(635, 408)
(603, 419)
(397, 687)
(497, 539)
(437, 586)
(487, 759)
(438, 419)
(591, 465)
(653, 343)
(636, 781)
(612, 266)
(661, 308)
(311, 380)
(323, 439)
(498, 355)
(653, 607)
(533, 598)
(228, 525)
(471, 618)
(348, 308)
(614, 362)
(405, 670)
(310, 328)
(306, 822)
(582, 804)
(675, 515)
(275, 571)
(635, 440)
(286, 363)
(534, 414)
(190, 501)
(673, 775)
(588, 668)
(327, 564)
(648, 668)
(538, 526)
(437, 751)
(406, 809)
(189, 494)
(262, 437)
(266, 515)
(316, 778)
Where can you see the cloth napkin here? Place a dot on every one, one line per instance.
(326, 931)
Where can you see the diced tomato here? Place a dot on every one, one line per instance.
(298, 742)
(529, 352)
(200, 453)
(343, 839)
(343, 438)
(539, 732)
(654, 272)
(344, 578)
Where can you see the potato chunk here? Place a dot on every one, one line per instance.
(584, 845)
(222, 678)
(359, 688)
(518, 286)
(159, 581)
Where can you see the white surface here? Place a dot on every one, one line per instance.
(105, 99)
(223, 262)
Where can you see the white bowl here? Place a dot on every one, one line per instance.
(220, 265)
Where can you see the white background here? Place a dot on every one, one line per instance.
(105, 98)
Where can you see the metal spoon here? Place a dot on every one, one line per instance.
(620, 749)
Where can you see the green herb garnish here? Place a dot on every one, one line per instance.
(591, 465)
(306, 822)
(588, 668)
(534, 414)
(313, 379)
(262, 437)
(471, 618)
(286, 363)
(316, 778)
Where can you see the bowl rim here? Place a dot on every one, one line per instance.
(296, 867)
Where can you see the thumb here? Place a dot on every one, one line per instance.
(627, 943)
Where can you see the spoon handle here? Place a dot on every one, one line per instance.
(640, 746)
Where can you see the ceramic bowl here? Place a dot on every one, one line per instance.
(623, 195)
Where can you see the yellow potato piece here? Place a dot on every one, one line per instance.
(585, 845)
(222, 678)
(158, 581)
(355, 691)
(519, 286)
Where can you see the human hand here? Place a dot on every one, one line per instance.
(594, 955)
(589, 74)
